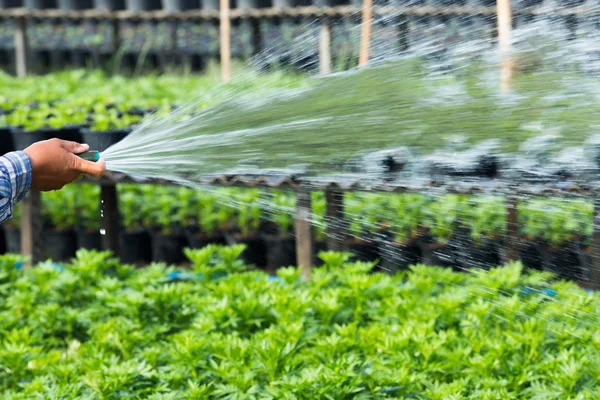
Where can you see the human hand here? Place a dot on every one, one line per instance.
(54, 163)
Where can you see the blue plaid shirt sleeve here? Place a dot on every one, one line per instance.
(15, 181)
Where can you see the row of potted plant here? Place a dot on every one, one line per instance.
(397, 230)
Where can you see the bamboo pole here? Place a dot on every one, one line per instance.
(304, 233)
(21, 47)
(225, 28)
(325, 47)
(365, 33)
(504, 33)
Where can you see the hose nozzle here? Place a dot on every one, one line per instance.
(91, 155)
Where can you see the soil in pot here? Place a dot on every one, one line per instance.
(362, 250)
(23, 140)
(398, 256)
(135, 247)
(90, 240)
(281, 252)
(168, 248)
(6, 141)
(12, 240)
(60, 245)
(564, 261)
(256, 249)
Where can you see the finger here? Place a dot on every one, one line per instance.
(90, 168)
(74, 147)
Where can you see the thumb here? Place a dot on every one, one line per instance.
(74, 147)
(90, 168)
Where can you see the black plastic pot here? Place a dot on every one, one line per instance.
(281, 252)
(256, 251)
(529, 254)
(143, 5)
(198, 241)
(102, 140)
(11, 3)
(251, 4)
(319, 246)
(2, 241)
(483, 255)
(168, 248)
(23, 139)
(398, 256)
(109, 5)
(89, 240)
(135, 247)
(68, 5)
(437, 254)
(60, 245)
(12, 240)
(362, 250)
(563, 261)
(6, 141)
(180, 5)
(39, 4)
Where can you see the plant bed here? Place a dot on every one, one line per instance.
(135, 247)
(396, 256)
(59, 245)
(101, 140)
(168, 248)
(24, 139)
(281, 252)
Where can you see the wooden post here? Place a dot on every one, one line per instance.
(334, 216)
(304, 234)
(110, 218)
(365, 33)
(504, 33)
(594, 273)
(325, 47)
(512, 228)
(31, 228)
(21, 47)
(225, 29)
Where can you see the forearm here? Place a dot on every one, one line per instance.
(15, 181)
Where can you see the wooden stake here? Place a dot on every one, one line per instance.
(225, 25)
(594, 274)
(365, 33)
(21, 47)
(31, 228)
(304, 234)
(504, 34)
(334, 216)
(325, 47)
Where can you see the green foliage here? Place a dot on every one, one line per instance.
(88, 205)
(58, 208)
(284, 208)
(319, 207)
(248, 211)
(442, 216)
(100, 329)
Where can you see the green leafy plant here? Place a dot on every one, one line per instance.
(58, 207)
(248, 211)
(284, 209)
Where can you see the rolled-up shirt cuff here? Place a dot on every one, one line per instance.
(18, 169)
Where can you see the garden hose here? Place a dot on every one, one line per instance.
(91, 155)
